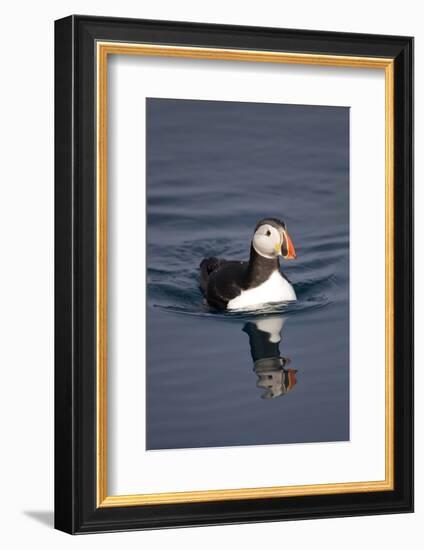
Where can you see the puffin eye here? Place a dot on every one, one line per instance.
(268, 233)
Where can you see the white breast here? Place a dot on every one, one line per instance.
(275, 289)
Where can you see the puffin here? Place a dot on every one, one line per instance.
(234, 285)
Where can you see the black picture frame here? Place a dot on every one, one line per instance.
(76, 510)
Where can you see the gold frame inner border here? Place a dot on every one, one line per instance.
(104, 49)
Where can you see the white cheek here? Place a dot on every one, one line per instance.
(263, 245)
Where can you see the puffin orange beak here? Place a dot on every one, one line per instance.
(287, 248)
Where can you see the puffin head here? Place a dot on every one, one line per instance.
(271, 239)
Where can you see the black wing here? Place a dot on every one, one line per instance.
(207, 266)
(221, 280)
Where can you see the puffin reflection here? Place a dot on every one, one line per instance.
(270, 367)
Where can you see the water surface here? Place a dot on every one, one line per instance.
(223, 378)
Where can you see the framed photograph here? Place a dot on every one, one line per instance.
(234, 274)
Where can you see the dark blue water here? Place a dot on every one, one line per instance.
(219, 378)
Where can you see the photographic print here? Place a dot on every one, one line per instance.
(248, 273)
(220, 299)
